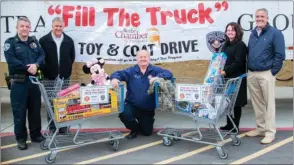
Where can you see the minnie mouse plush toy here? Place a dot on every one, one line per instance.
(98, 75)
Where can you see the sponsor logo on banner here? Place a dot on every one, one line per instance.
(153, 36)
(131, 36)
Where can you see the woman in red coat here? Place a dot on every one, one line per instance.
(236, 51)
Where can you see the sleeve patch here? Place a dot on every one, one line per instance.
(6, 46)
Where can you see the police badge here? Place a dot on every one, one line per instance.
(215, 41)
(33, 45)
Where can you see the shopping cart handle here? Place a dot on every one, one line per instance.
(173, 80)
(156, 86)
(34, 80)
(122, 96)
(243, 75)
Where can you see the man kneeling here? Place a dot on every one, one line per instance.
(138, 115)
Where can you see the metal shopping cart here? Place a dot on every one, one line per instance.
(68, 111)
(204, 103)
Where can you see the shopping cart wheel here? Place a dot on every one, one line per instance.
(44, 145)
(237, 141)
(50, 158)
(222, 153)
(115, 145)
(167, 141)
(111, 142)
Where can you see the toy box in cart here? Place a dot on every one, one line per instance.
(87, 104)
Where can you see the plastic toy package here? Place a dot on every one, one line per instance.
(68, 106)
(208, 103)
(216, 65)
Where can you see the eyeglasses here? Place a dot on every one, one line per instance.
(260, 16)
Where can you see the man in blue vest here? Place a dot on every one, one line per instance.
(24, 55)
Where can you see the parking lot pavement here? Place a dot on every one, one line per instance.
(150, 150)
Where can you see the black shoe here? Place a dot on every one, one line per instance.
(132, 135)
(227, 127)
(22, 145)
(235, 131)
(63, 130)
(38, 139)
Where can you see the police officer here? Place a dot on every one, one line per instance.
(23, 55)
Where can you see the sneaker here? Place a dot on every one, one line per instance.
(132, 135)
(22, 145)
(38, 139)
(267, 140)
(255, 133)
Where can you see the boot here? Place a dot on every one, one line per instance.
(38, 139)
(22, 145)
(132, 135)
(228, 126)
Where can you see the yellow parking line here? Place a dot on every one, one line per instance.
(31, 157)
(121, 152)
(194, 152)
(11, 145)
(37, 155)
(263, 151)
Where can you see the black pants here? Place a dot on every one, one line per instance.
(236, 118)
(138, 120)
(26, 97)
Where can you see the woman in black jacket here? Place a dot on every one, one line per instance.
(236, 51)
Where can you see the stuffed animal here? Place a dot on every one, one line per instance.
(98, 75)
(166, 92)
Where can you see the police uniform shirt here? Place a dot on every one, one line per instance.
(19, 54)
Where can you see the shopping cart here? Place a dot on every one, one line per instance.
(204, 103)
(50, 91)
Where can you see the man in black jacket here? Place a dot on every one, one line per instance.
(59, 56)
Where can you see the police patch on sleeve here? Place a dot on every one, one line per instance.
(6, 46)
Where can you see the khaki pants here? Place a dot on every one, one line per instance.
(262, 91)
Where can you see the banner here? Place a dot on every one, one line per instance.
(171, 31)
